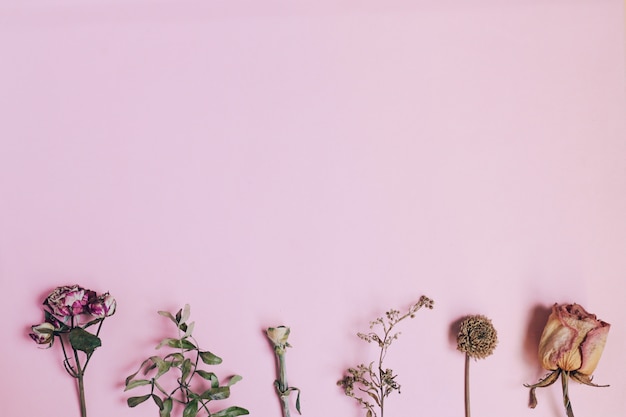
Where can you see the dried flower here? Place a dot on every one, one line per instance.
(278, 336)
(573, 340)
(378, 382)
(477, 337)
(68, 301)
(570, 346)
(103, 306)
(43, 334)
(69, 310)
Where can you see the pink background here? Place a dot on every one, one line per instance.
(314, 164)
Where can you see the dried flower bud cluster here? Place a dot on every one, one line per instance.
(371, 385)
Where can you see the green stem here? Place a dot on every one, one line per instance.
(81, 386)
(282, 382)
(566, 401)
(282, 372)
(284, 399)
(467, 386)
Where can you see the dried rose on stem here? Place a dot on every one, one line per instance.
(278, 336)
(69, 311)
(570, 346)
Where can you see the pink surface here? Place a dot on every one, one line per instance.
(314, 165)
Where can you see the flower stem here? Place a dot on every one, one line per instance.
(566, 401)
(467, 385)
(282, 372)
(81, 393)
(81, 386)
(284, 399)
(281, 384)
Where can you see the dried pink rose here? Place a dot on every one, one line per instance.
(570, 346)
(573, 340)
(69, 310)
(67, 301)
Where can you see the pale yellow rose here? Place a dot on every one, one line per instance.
(572, 340)
(279, 335)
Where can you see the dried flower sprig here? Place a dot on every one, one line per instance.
(378, 382)
(570, 346)
(477, 338)
(185, 362)
(278, 336)
(69, 310)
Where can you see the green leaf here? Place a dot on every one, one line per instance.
(176, 358)
(176, 343)
(209, 376)
(209, 358)
(130, 377)
(82, 340)
(164, 342)
(186, 314)
(188, 329)
(158, 401)
(181, 344)
(185, 369)
(163, 366)
(231, 412)
(167, 408)
(298, 401)
(289, 390)
(169, 316)
(136, 383)
(135, 401)
(191, 409)
(219, 393)
(233, 380)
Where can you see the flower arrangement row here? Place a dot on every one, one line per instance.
(570, 347)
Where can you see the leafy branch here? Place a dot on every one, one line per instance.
(185, 361)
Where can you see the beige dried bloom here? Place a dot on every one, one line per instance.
(477, 337)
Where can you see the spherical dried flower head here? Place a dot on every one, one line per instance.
(477, 337)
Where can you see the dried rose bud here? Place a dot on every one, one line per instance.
(103, 306)
(278, 336)
(572, 340)
(43, 334)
